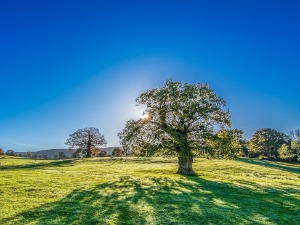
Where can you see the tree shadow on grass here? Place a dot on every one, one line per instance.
(190, 200)
(56, 163)
(270, 164)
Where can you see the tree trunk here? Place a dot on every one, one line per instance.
(89, 147)
(185, 165)
(88, 154)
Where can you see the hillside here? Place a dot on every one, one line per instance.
(52, 152)
(147, 191)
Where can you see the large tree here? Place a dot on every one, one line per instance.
(178, 118)
(86, 140)
(266, 142)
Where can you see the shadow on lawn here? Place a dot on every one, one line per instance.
(275, 165)
(66, 162)
(190, 200)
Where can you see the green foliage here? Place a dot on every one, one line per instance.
(178, 117)
(146, 191)
(226, 144)
(102, 154)
(10, 153)
(1, 152)
(286, 153)
(295, 143)
(117, 152)
(266, 142)
(86, 140)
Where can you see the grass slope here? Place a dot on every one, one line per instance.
(146, 191)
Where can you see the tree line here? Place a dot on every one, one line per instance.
(271, 144)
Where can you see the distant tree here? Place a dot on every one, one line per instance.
(55, 156)
(10, 153)
(62, 155)
(102, 154)
(75, 153)
(117, 152)
(266, 142)
(45, 156)
(1, 152)
(28, 154)
(179, 117)
(226, 144)
(86, 140)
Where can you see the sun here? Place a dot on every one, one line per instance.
(146, 116)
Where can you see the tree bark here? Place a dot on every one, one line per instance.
(185, 165)
(89, 146)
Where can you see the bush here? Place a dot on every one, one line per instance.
(117, 152)
(103, 154)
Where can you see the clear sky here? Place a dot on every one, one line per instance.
(66, 65)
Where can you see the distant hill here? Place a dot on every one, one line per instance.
(52, 152)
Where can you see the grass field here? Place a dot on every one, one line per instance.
(147, 191)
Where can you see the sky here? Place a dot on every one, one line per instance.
(66, 65)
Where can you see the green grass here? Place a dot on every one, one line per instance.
(147, 191)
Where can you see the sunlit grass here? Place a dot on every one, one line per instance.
(147, 191)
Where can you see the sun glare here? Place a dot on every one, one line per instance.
(146, 116)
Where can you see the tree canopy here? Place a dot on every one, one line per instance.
(266, 142)
(226, 144)
(179, 118)
(117, 152)
(10, 153)
(86, 141)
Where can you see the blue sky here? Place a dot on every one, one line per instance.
(66, 65)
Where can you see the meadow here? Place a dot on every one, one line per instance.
(148, 191)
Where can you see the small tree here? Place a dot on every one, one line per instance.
(179, 117)
(102, 154)
(75, 153)
(62, 155)
(1, 152)
(117, 152)
(10, 153)
(28, 154)
(86, 140)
